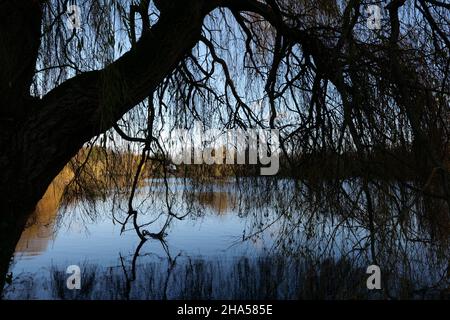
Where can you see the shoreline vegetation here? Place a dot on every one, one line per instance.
(96, 172)
(102, 166)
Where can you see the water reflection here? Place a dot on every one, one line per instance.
(40, 227)
(245, 239)
(219, 202)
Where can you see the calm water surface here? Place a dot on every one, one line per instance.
(236, 240)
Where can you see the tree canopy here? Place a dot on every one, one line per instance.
(316, 70)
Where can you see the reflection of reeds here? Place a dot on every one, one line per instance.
(270, 277)
(59, 286)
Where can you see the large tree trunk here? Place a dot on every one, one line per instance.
(39, 136)
(19, 43)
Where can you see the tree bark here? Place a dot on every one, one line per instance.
(39, 136)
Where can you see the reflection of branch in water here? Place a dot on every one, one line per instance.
(370, 213)
(370, 222)
(129, 279)
(144, 234)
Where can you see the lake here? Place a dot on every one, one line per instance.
(246, 238)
